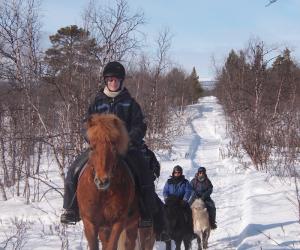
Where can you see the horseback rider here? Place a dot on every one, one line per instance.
(152, 161)
(178, 187)
(203, 188)
(114, 98)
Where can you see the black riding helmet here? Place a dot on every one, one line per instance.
(115, 69)
(177, 168)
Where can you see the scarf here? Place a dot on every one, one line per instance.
(111, 94)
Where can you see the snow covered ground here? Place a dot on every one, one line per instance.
(254, 211)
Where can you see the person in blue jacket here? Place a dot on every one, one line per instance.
(178, 187)
(203, 188)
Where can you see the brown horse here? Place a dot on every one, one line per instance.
(106, 194)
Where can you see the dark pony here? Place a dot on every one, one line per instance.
(178, 228)
(107, 199)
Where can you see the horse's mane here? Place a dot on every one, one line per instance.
(107, 128)
(198, 203)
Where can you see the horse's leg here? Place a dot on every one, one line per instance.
(115, 235)
(91, 234)
(178, 244)
(146, 238)
(199, 242)
(168, 245)
(131, 234)
(187, 243)
(205, 239)
(104, 236)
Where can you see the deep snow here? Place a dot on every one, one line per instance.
(254, 210)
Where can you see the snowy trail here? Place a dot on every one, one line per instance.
(206, 137)
(254, 210)
(242, 197)
(210, 128)
(227, 184)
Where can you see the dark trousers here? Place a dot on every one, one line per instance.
(70, 200)
(144, 182)
(211, 208)
(137, 165)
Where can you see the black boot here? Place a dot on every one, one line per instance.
(212, 218)
(144, 182)
(71, 214)
(148, 206)
(146, 219)
(70, 217)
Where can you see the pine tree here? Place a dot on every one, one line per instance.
(72, 50)
(72, 77)
(195, 87)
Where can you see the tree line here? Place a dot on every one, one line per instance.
(45, 93)
(259, 89)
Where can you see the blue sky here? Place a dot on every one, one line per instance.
(201, 29)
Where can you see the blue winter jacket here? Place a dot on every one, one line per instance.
(180, 188)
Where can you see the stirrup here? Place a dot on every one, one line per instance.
(69, 217)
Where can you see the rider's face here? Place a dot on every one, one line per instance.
(113, 83)
(177, 173)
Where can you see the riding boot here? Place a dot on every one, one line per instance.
(143, 176)
(71, 213)
(212, 216)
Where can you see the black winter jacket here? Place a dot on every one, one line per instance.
(126, 108)
(202, 189)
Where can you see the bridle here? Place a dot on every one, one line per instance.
(104, 185)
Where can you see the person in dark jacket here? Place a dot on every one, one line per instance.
(203, 188)
(152, 161)
(114, 98)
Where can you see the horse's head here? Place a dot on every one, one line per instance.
(198, 204)
(108, 139)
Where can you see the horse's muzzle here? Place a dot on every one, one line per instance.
(101, 184)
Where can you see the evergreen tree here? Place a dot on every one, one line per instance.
(195, 87)
(72, 50)
(72, 75)
(71, 63)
